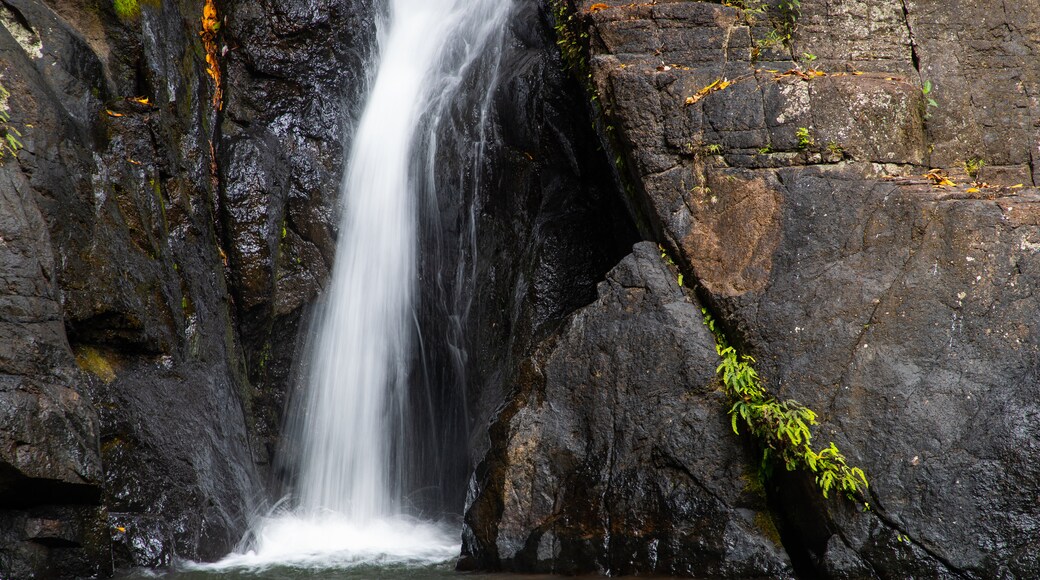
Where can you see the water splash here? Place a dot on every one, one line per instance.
(351, 425)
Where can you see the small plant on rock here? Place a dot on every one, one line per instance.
(9, 143)
(973, 167)
(804, 137)
(926, 90)
(782, 428)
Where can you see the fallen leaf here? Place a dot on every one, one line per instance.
(112, 113)
(939, 179)
(717, 85)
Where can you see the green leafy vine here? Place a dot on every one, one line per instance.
(781, 427)
(9, 143)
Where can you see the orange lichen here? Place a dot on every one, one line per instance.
(210, 28)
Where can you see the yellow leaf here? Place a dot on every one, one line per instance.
(972, 190)
(716, 85)
(112, 113)
(140, 100)
(1017, 186)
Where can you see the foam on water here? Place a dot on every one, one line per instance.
(334, 541)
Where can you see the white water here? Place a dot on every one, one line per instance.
(348, 507)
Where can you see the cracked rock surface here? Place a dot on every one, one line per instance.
(616, 456)
(902, 311)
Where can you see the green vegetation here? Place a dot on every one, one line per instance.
(926, 90)
(96, 363)
(780, 427)
(973, 167)
(783, 16)
(9, 143)
(835, 149)
(571, 40)
(765, 150)
(805, 139)
(126, 9)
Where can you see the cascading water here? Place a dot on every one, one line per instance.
(352, 420)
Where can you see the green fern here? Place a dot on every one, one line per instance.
(783, 428)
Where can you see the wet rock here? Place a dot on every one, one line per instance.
(119, 323)
(616, 455)
(896, 309)
(295, 80)
(544, 227)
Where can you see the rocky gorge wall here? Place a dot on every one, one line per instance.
(781, 157)
(169, 217)
(156, 233)
(160, 252)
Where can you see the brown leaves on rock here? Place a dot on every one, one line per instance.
(718, 85)
(939, 178)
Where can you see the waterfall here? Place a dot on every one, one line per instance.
(352, 419)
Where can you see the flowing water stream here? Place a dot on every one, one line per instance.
(350, 506)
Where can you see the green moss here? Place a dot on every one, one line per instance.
(765, 524)
(571, 39)
(96, 363)
(126, 9)
(131, 9)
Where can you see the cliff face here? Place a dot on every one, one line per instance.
(160, 249)
(898, 306)
(155, 235)
(166, 224)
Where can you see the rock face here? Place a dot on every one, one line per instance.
(161, 251)
(616, 454)
(152, 240)
(900, 308)
(296, 75)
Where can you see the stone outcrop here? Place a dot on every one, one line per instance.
(616, 456)
(162, 251)
(899, 307)
(127, 415)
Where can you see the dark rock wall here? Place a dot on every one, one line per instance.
(550, 223)
(295, 81)
(522, 234)
(159, 254)
(162, 255)
(899, 308)
(616, 455)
